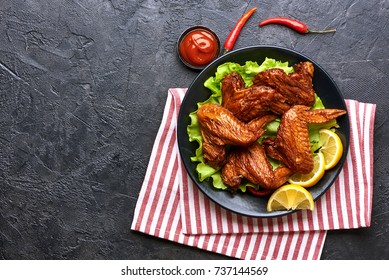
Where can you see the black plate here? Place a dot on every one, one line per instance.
(244, 203)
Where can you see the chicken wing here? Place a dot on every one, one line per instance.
(291, 145)
(296, 88)
(252, 102)
(251, 163)
(273, 90)
(219, 127)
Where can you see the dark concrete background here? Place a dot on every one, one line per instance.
(82, 90)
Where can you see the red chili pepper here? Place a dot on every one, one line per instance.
(234, 34)
(259, 192)
(293, 24)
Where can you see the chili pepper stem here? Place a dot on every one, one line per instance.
(321, 31)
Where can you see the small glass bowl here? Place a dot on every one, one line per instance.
(186, 32)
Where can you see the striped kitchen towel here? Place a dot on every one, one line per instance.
(171, 207)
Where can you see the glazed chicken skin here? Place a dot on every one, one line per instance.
(296, 88)
(291, 145)
(303, 73)
(219, 127)
(251, 163)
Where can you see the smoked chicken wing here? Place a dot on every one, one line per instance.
(273, 90)
(219, 127)
(291, 145)
(252, 102)
(251, 163)
(296, 88)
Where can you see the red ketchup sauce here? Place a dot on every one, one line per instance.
(199, 47)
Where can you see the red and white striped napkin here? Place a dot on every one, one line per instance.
(171, 207)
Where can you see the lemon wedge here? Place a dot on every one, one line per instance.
(290, 197)
(332, 147)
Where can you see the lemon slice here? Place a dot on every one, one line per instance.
(290, 197)
(332, 147)
(310, 179)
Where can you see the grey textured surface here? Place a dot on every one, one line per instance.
(82, 90)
